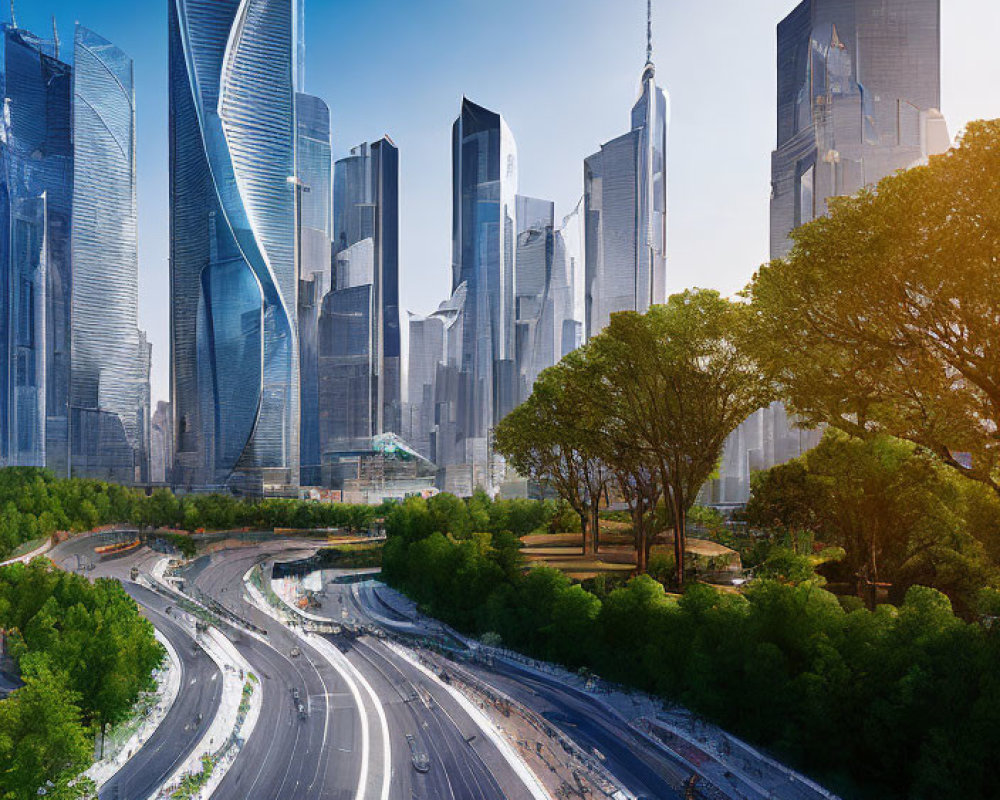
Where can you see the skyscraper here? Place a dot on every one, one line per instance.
(315, 225)
(234, 277)
(109, 397)
(161, 440)
(36, 197)
(536, 244)
(859, 88)
(484, 234)
(859, 85)
(359, 344)
(427, 352)
(625, 204)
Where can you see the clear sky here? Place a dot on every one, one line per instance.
(564, 73)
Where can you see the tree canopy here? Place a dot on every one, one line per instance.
(884, 316)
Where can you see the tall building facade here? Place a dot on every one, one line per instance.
(360, 345)
(859, 88)
(233, 242)
(485, 383)
(426, 353)
(625, 206)
(109, 396)
(535, 263)
(161, 447)
(566, 326)
(315, 235)
(36, 198)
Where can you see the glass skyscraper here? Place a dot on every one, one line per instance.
(426, 354)
(536, 244)
(858, 91)
(109, 397)
(625, 205)
(315, 225)
(234, 277)
(484, 242)
(36, 197)
(859, 85)
(359, 335)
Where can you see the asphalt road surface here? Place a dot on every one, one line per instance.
(286, 757)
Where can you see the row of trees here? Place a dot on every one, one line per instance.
(881, 322)
(84, 654)
(900, 702)
(34, 504)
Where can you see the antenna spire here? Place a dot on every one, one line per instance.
(55, 35)
(13, 16)
(649, 31)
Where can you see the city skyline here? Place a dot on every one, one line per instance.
(395, 99)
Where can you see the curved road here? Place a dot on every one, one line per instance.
(197, 699)
(286, 757)
(643, 769)
(398, 700)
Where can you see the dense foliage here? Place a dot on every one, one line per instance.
(904, 702)
(883, 318)
(34, 505)
(644, 408)
(901, 516)
(84, 654)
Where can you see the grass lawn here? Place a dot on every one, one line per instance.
(563, 551)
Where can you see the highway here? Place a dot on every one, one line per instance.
(375, 727)
(645, 770)
(407, 714)
(287, 757)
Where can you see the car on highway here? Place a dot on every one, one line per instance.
(421, 762)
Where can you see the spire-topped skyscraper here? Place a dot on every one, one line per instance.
(625, 203)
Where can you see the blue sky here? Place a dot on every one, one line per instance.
(564, 73)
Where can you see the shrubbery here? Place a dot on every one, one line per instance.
(892, 703)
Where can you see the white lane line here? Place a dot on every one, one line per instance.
(344, 667)
(483, 722)
(334, 656)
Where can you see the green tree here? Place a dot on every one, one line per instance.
(677, 381)
(551, 440)
(883, 318)
(41, 738)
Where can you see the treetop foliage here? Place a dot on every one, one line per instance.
(883, 318)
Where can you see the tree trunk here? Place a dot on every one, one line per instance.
(871, 596)
(641, 545)
(680, 536)
(584, 521)
(595, 531)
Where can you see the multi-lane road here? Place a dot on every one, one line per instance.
(348, 717)
(380, 715)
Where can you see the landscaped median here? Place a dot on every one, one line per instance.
(239, 708)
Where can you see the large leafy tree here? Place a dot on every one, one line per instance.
(884, 317)
(551, 440)
(676, 381)
(898, 513)
(41, 738)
